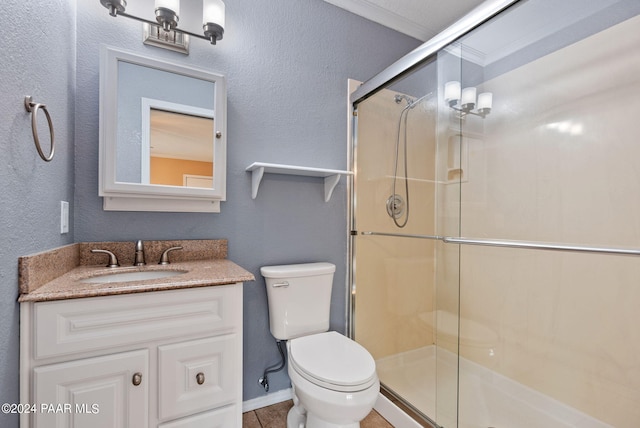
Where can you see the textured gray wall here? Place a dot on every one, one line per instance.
(37, 47)
(287, 64)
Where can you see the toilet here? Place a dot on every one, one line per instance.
(334, 379)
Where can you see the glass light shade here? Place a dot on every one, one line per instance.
(213, 12)
(485, 100)
(468, 96)
(452, 91)
(173, 5)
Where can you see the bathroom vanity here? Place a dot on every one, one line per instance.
(163, 352)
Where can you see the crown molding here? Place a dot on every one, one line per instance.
(385, 17)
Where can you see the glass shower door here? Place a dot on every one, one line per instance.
(451, 172)
(548, 290)
(404, 278)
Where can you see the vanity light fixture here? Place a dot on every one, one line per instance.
(464, 100)
(167, 14)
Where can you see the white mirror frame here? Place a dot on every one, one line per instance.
(122, 196)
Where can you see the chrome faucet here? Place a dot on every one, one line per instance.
(139, 259)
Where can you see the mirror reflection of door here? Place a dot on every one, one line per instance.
(180, 145)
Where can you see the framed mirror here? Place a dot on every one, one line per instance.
(162, 135)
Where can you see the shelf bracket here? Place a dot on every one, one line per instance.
(330, 183)
(256, 178)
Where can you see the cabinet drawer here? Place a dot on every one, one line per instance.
(198, 375)
(227, 417)
(68, 326)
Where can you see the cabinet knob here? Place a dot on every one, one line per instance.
(200, 378)
(137, 379)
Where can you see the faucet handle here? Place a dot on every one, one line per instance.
(164, 259)
(113, 260)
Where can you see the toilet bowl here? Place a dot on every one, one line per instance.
(334, 379)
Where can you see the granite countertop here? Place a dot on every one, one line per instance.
(57, 274)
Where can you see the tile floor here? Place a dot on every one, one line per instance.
(275, 416)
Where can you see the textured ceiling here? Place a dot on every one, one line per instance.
(421, 19)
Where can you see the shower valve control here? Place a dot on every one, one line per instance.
(395, 206)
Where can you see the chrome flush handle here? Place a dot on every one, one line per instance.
(280, 284)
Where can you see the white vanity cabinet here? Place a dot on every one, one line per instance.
(166, 359)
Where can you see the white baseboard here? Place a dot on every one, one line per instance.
(267, 400)
(394, 414)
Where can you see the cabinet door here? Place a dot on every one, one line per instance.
(102, 392)
(198, 375)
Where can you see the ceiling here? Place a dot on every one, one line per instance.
(181, 136)
(526, 25)
(420, 19)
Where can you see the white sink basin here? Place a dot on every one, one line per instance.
(132, 276)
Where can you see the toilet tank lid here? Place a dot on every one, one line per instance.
(297, 270)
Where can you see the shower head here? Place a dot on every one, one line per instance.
(399, 97)
(411, 102)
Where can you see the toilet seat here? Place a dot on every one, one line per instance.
(332, 361)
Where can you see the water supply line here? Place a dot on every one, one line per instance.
(264, 380)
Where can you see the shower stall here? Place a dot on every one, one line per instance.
(495, 219)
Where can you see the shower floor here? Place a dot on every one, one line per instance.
(487, 399)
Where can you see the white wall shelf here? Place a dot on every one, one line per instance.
(331, 176)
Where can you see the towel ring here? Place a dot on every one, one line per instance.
(33, 109)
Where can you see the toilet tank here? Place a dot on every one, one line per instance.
(299, 298)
